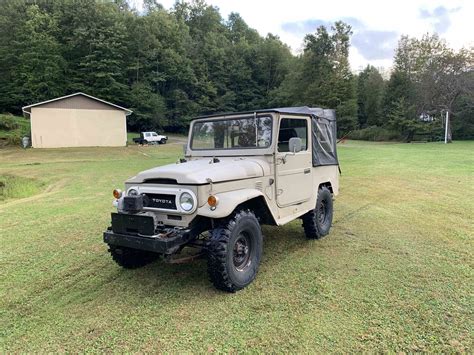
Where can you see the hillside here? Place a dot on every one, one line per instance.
(12, 129)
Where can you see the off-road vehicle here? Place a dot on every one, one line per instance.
(240, 171)
(150, 138)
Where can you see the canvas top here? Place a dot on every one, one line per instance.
(299, 110)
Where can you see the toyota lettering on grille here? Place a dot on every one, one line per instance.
(160, 201)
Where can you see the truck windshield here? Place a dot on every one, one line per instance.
(237, 133)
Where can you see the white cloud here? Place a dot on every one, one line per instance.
(399, 17)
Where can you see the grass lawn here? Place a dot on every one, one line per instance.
(395, 274)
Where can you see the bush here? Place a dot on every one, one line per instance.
(8, 123)
(376, 134)
(13, 129)
(14, 138)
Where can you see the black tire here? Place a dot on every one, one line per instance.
(131, 258)
(163, 141)
(234, 252)
(317, 222)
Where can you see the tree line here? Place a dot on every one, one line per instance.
(171, 65)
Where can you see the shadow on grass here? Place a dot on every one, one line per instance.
(190, 280)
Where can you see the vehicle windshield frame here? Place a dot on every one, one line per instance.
(230, 118)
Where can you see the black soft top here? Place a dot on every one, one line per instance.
(323, 129)
(328, 114)
(305, 110)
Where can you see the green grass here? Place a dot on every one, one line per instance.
(12, 187)
(12, 129)
(131, 135)
(395, 274)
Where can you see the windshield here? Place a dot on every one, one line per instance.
(238, 133)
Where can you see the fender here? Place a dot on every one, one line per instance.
(228, 201)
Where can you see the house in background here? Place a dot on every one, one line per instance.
(77, 120)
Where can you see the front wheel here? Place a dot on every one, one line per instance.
(234, 252)
(317, 222)
(163, 141)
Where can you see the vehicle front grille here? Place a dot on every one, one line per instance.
(164, 201)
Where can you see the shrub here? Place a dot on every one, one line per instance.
(375, 133)
(12, 129)
(8, 123)
(14, 138)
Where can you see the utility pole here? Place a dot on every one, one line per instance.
(446, 129)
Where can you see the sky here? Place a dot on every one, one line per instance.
(377, 25)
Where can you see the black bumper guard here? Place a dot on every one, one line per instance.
(166, 242)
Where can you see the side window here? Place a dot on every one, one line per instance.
(154, 134)
(147, 135)
(289, 128)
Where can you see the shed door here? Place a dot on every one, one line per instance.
(294, 173)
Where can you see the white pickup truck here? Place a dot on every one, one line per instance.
(150, 138)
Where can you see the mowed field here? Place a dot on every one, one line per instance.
(395, 273)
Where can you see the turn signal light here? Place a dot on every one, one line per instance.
(212, 201)
(117, 193)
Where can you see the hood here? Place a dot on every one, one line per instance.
(199, 171)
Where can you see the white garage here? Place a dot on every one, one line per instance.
(77, 120)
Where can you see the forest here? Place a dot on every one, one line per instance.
(169, 66)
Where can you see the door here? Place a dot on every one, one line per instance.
(294, 173)
(154, 137)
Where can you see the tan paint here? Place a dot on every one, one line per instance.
(294, 173)
(283, 180)
(61, 127)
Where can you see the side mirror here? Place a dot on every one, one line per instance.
(295, 144)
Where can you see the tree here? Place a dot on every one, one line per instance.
(149, 108)
(431, 76)
(326, 76)
(370, 88)
(463, 107)
(37, 73)
(445, 80)
(400, 119)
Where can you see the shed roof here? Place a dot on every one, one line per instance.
(27, 109)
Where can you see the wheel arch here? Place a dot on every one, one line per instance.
(328, 185)
(231, 201)
(259, 206)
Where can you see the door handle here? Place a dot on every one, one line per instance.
(307, 171)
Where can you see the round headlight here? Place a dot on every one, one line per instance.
(186, 201)
(132, 192)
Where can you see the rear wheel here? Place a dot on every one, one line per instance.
(317, 222)
(131, 258)
(234, 252)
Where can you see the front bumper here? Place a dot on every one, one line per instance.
(168, 241)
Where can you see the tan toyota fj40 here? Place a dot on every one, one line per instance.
(240, 171)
